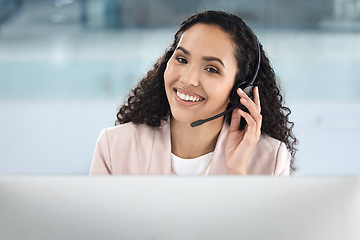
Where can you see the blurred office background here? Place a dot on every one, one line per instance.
(66, 65)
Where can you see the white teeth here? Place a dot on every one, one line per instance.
(184, 97)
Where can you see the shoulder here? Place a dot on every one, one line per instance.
(128, 149)
(129, 134)
(125, 131)
(269, 144)
(270, 156)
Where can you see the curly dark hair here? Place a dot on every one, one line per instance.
(147, 102)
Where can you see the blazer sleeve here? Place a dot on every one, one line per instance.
(101, 163)
(282, 165)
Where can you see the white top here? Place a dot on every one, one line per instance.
(193, 166)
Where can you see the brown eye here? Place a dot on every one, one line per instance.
(211, 70)
(181, 60)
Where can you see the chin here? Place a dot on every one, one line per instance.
(183, 119)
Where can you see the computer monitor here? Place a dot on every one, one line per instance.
(171, 207)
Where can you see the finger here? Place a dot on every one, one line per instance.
(242, 94)
(252, 107)
(246, 98)
(235, 120)
(253, 130)
(257, 97)
(254, 116)
(252, 124)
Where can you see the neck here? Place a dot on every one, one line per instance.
(189, 142)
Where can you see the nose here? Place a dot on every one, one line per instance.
(190, 76)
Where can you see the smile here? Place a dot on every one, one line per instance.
(188, 98)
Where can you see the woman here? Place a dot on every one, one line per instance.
(212, 55)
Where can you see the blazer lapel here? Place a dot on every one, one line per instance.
(161, 153)
(218, 164)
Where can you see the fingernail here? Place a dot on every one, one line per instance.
(240, 90)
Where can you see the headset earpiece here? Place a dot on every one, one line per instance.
(248, 90)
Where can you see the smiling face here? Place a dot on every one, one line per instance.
(200, 74)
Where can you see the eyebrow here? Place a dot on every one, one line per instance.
(210, 59)
(184, 50)
(205, 58)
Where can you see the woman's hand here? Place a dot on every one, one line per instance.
(240, 144)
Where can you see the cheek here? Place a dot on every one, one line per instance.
(219, 92)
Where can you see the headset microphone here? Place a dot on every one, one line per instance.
(246, 86)
(202, 121)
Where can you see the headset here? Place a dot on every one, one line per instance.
(246, 85)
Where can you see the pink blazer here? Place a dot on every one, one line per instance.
(140, 149)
